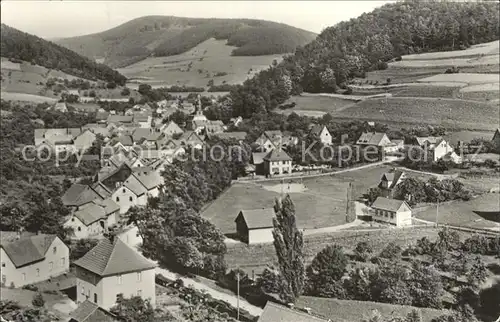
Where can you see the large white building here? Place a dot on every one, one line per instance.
(112, 268)
(32, 259)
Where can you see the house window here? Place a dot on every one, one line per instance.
(95, 297)
(24, 276)
(139, 292)
(63, 261)
(54, 250)
(37, 272)
(4, 279)
(139, 276)
(83, 290)
(79, 228)
(117, 198)
(51, 266)
(283, 162)
(3, 264)
(392, 215)
(123, 190)
(130, 198)
(72, 219)
(119, 279)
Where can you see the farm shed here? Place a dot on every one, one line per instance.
(255, 226)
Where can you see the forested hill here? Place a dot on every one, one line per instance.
(20, 45)
(167, 35)
(351, 48)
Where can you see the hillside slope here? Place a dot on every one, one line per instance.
(167, 35)
(18, 45)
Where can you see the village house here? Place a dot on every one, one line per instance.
(237, 136)
(129, 235)
(255, 226)
(322, 133)
(93, 219)
(91, 312)
(119, 119)
(78, 195)
(270, 140)
(389, 181)
(379, 140)
(33, 259)
(170, 129)
(85, 140)
(143, 119)
(136, 190)
(277, 162)
(258, 161)
(439, 150)
(190, 138)
(112, 268)
(60, 106)
(274, 312)
(391, 211)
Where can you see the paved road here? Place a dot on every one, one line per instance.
(231, 299)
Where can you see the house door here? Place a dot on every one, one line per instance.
(95, 297)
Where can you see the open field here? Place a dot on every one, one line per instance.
(22, 97)
(198, 65)
(489, 48)
(467, 136)
(348, 311)
(443, 91)
(469, 78)
(450, 113)
(449, 62)
(321, 204)
(473, 213)
(317, 103)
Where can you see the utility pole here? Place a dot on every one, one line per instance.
(238, 296)
(437, 213)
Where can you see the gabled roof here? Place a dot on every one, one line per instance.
(126, 140)
(231, 135)
(388, 204)
(134, 185)
(316, 129)
(90, 213)
(277, 155)
(108, 204)
(120, 118)
(371, 138)
(278, 313)
(273, 134)
(115, 258)
(79, 194)
(101, 116)
(258, 157)
(140, 133)
(393, 176)
(150, 180)
(171, 127)
(28, 250)
(257, 218)
(90, 312)
(421, 140)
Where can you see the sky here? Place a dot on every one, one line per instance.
(58, 18)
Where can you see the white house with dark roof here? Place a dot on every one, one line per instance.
(323, 134)
(379, 140)
(277, 162)
(255, 226)
(33, 259)
(91, 312)
(391, 211)
(136, 190)
(93, 219)
(112, 268)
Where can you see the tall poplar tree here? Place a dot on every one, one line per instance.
(289, 244)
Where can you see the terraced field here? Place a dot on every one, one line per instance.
(452, 113)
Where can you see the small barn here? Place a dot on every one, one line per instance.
(255, 226)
